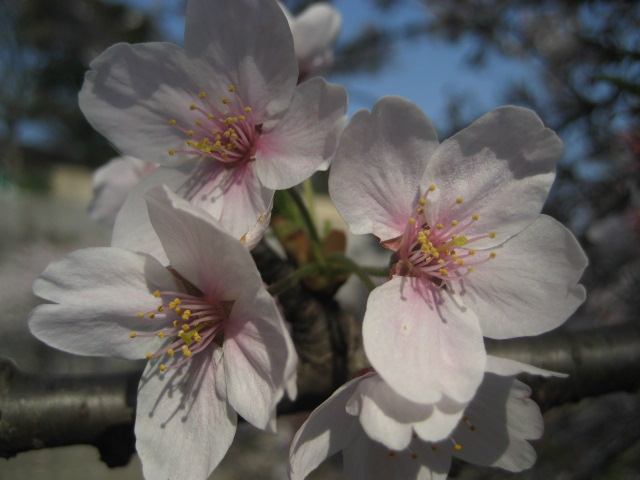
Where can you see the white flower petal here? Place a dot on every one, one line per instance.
(100, 292)
(444, 418)
(183, 428)
(132, 91)
(133, 229)
(328, 430)
(502, 165)
(235, 196)
(249, 43)
(503, 419)
(294, 146)
(112, 183)
(422, 350)
(507, 367)
(387, 417)
(531, 286)
(256, 354)
(376, 173)
(368, 460)
(314, 31)
(216, 263)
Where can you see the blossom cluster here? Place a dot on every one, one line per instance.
(208, 134)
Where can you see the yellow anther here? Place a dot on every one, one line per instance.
(247, 109)
(163, 368)
(197, 337)
(492, 235)
(190, 133)
(202, 144)
(149, 356)
(176, 323)
(186, 353)
(242, 118)
(420, 211)
(475, 216)
(172, 122)
(192, 107)
(160, 308)
(186, 313)
(492, 255)
(411, 220)
(457, 447)
(439, 226)
(225, 100)
(133, 334)
(141, 315)
(177, 300)
(185, 327)
(156, 293)
(231, 88)
(178, 310)
(422, 202)
(443, 271)
(454, 223)
(171, 151)
(210, 116)
(228, 120)
(225, 155)
(469, 269)
(171, 352)
(432, 188)
(472, 252)
(459, 200)
(202, 94)
(160, 334)
(198, 122)
(191, 143)
(151, 315)
(460, 262)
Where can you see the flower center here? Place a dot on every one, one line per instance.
(226, 132)
(193, 322)
(439, 250)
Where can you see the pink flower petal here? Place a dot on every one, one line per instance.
(256, 357)
(291, 148)
(502, 166)
(376, 173)
(249, 44)
(531, 286)
(98, 293)
(133, 91)
(421, 349)
(183, 427)
(218, 264)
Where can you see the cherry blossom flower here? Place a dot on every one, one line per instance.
(224, 114)
(473, 255)
(214, 338)
(383, 435)
(314, 31)
(112, 183)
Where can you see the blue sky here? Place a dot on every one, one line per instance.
(425, 71)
